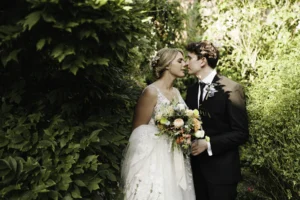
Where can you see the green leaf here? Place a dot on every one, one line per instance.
(72, 24)
(57, 51)
(121, 43)
(3, 142)
(54, 195)
(10, 188)
(11, 56)
(20, 167)
(98, 3)
(28, 195)
(50, 183)
(76, 193)
(120, 56)
(6, 107)
(128, 36)
(78, 171)
(4, 172)
(74, 70)
(40, 44)
(8, 178)
(90, 158)
(80, 183)
(127, 8)
(48, 18)
(111, 177)
(94, 184)
(45, 143)
(68, 197)
(13, 163)
(32, 19)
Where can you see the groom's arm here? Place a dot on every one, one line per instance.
(238, 119)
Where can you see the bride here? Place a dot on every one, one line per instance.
(150, 169)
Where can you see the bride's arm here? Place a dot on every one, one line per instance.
(144, 107)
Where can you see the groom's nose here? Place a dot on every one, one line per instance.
(186, 64)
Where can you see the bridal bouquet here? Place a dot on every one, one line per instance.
(180, 124)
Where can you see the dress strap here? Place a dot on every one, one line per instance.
(154, 87)
(157, 89)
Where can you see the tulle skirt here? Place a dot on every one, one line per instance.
(151, 170)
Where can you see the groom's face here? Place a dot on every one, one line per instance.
(194, 65)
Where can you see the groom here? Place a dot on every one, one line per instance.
(221, 103)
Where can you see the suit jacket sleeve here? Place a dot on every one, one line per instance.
(238, 120)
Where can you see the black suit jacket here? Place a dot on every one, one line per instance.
(225, 121)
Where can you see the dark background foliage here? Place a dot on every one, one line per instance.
(68, 89)
(71, 72)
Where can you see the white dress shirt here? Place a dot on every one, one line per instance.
(207, 80)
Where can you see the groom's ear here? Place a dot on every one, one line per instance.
(204, 59)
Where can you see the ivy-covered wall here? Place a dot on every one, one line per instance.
(70, 74)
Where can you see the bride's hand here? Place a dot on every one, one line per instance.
(198, 147)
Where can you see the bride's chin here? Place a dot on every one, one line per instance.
(181, 75)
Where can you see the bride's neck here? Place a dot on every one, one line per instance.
(166, 84)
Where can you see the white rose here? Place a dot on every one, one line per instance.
(158, 116)
(180, 106)
(178, 123)
(199, 134)
(170, 110)
(189, 113)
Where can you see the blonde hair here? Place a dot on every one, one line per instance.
(163, 59)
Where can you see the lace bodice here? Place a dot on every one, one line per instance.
(162, 100)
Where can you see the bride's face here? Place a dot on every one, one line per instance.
(177, 66)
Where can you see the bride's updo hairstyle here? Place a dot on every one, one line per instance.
(162, 60)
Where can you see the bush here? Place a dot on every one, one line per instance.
(71, 72)
(259, 41)
(274, 109)
(67, 96)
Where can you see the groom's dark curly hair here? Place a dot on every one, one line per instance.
(204, 49)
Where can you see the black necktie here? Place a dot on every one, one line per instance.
(202, 85)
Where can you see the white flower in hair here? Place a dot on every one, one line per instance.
(154, 61)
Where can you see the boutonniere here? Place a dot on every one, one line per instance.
(211, 90)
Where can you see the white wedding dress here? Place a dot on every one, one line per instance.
(151, 170)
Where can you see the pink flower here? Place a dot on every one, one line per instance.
(250, 189)
(188, 141)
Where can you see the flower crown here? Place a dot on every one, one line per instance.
(154, 61)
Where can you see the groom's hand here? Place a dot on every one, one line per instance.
(199, 146)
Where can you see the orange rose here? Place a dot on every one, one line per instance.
(197, 124)
(179, 140)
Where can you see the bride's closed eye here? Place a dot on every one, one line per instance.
(180, 60)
